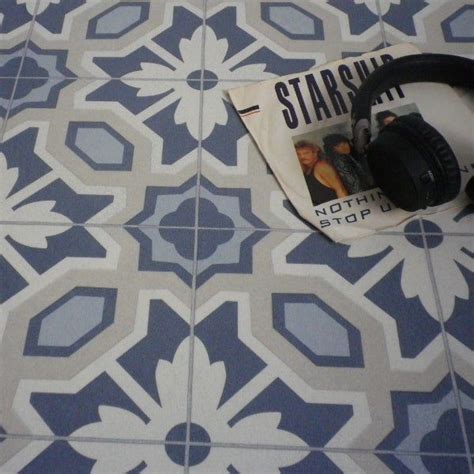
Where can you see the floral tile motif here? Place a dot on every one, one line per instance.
(299, 27)
(73, 296)
(359, 293)
(113, 457)
(105, 300)
(84, 143)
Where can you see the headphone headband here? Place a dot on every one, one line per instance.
(442, 68)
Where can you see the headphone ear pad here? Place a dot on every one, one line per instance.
(413, 164)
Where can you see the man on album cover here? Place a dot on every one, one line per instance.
(324, 183)
(354, 174)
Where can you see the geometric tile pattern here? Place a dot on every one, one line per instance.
(162, 306)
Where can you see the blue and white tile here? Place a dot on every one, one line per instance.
(96, 143)
(94, 344)
(277, 373)
(15, 24)
(258, 40)
(439, 26)
(94, 456)
(114, 38)
(235, 178)
(453, 269)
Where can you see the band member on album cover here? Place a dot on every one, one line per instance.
(384, 118)
(355, 174)
(324, 184)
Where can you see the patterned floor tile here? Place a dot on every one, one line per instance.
(114, 38)
(94, 343)
(453, 267)
(15, 25)
(326, 345)
(439, 26)
(81, 457)
(257, 40)
(286, 461)
(456, 221)
(96, 151)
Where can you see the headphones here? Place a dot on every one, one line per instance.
(410, 160)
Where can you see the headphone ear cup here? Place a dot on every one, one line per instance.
(439, 155)
(413, 164)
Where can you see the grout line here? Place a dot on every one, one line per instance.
(189, 406)
(237, 229)
(382, 24)
(109, 78)
(269, 447)
(447, 349)
(20, 67)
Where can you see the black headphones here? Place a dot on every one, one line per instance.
(410, 160)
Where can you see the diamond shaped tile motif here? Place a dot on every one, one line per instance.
(458, 26)
(118, 20)
(100, 146)
(72, 321)
(292, 21)
(317, 330)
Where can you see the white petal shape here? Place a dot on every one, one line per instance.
(263, 428)
(114, 423)
(36, 239)
(216, 113)
(41, 211)
(149, 87)
(172, 380)
(216, 49)
(188, 47)
(208, 384)
(185, 112)
(8, 177)
(416, 281)
(112, 457)
(252, 71)
(449, 279)
(368, 246)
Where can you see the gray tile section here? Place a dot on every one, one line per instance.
(462, 26)
(316, 329)
(75, 318)
(99, 145)
(292, 20)
(118, 20)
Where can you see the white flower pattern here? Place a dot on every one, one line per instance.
(171, 380)
(40, 211)
(415, 279)
(189, 97)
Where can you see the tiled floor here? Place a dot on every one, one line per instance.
(162, 308)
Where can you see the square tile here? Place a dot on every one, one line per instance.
(258, 40)
(92, 456)
(92, 151)
(338, 337)
(114, 38)
(94, 343)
